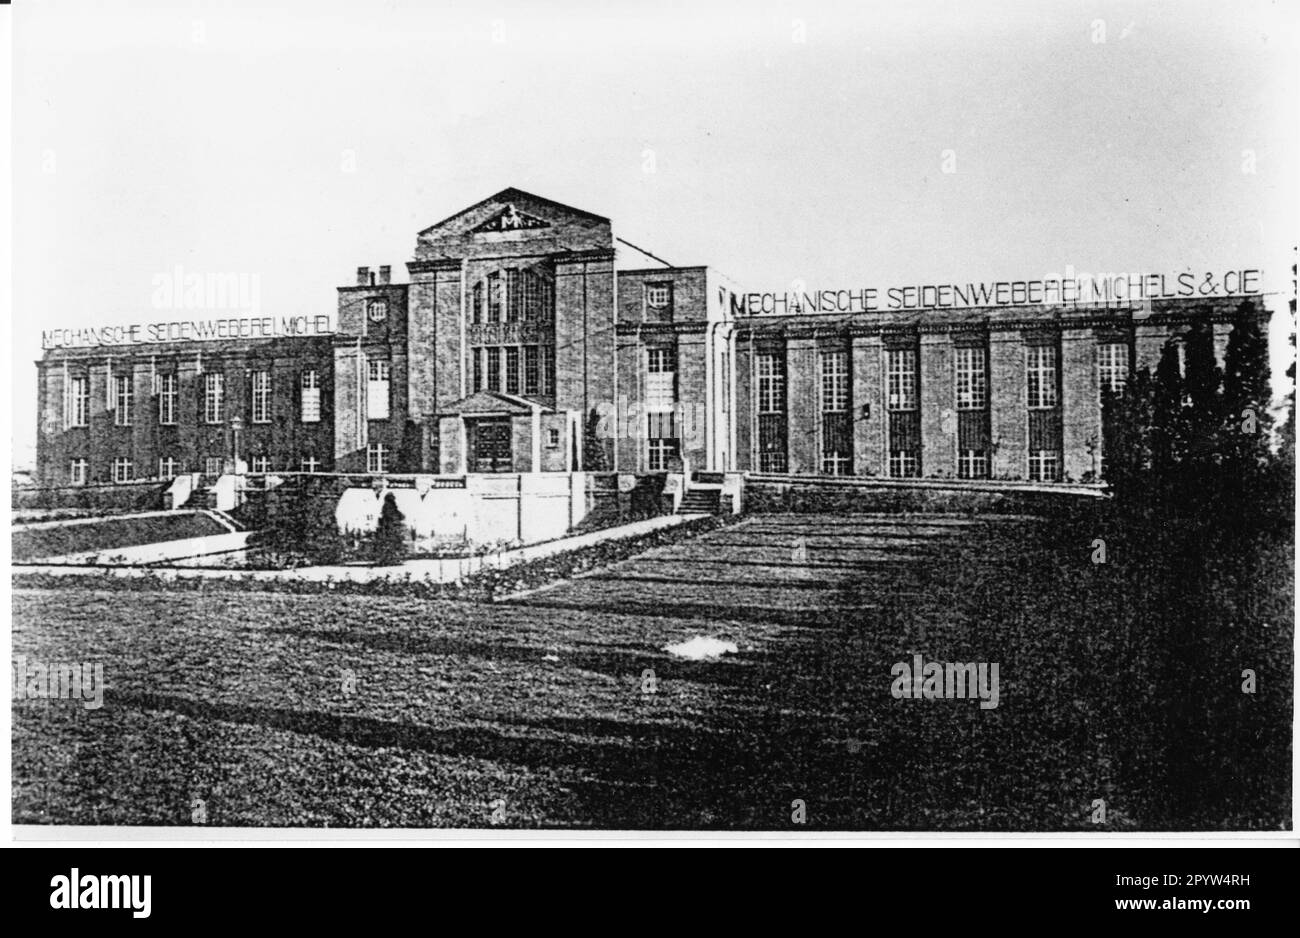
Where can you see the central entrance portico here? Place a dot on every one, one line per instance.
(491, 431)
(489, 444)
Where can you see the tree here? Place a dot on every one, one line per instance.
(1127, 420)
(389, 545)
(594, 456)
(301, 524)
(320, 527)
(1246, 396)
(1168, 434)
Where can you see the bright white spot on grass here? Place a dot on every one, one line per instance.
(550, 657)
(699, 648)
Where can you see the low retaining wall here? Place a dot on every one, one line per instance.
(487, 509)
(443, 570)
(787, 494)
(187, 549)
(99, 498)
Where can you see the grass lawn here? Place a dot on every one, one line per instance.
(111, 533)
(561, 708)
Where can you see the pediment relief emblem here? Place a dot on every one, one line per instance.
(511, 219)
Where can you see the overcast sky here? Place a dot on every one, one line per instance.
(775, 141)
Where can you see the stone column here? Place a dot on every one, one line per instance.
(868, 392)
(1080, 406)
(1008, 414)
(938, 407)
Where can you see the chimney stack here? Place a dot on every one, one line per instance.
(363, 276)
(384, 273)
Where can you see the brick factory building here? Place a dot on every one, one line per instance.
(530, 338)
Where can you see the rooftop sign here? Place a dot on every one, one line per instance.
(206, 330)
(1069, 290)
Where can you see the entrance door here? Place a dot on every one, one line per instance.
(492, 446)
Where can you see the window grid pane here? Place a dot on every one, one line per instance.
(512, 370)
(972, 379)
(771, 383)
(903, 464)
(1041, 373)
(1112, 367)
(310, 396)
(834, 382)
(1042, 466)
(167, 399)
(78, 409)
(901, 371)
(531, 371)
(214, 397)
(379, 371)
(123, 398)
(261, 397)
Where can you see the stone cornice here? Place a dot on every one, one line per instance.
(431, 266)
(585, 256)
(662, 328)
(1093, 319)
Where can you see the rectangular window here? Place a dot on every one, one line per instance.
(478, 301)
(658, 295)
(123, 399)
(972, 379)
(547, 385)
(662, 442)
(903, 464)
(835, 381)
(261, 397)
(77, 471)
(532, 294)
(972, 464)
(773, 455)
(167, 394)
(168, 467)
(514, 300)
(836, 429)
(123, 469)
(310, 381)
(532, 374)
(376, 458)
(1042, 465)
(214, 397)
(212, 466)
(1040, 369)
(512, 369)
(660, 379)
(493, 368)
(378, 371)
(901, 375)
(78, 411)
(1112, 367)
(261, 463)
(494, 297)
(771, 383)
(837, 464)
(309, 464)
(476, 354)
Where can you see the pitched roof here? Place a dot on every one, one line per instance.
(506, 196)
(491, 403)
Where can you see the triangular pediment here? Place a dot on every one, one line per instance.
(493, 403)
(513, 213)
